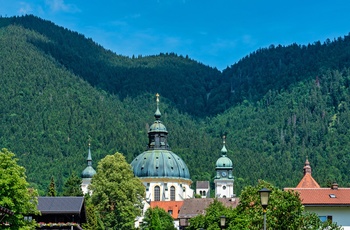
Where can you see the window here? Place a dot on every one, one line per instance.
(157, 193)
(224, 187)
(326, 218)
(172, 193)
(204, 193)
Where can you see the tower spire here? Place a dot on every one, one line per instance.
(157, 114)
(224, 150)
(307, 167)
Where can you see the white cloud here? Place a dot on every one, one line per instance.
(25, 8)
(59, 5)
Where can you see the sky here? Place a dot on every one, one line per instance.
(217, 33)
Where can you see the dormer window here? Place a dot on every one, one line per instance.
(332, 196)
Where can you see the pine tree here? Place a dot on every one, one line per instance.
(51, 190)
(72, 187)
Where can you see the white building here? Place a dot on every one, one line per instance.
(332, 204)
(224, 179)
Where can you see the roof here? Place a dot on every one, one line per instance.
(323, 196)
(173, 206)
(194, 207)
(5, 210)
(202, 185)
(60, 205)
(308, 182)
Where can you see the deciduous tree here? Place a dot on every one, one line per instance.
(15, 194)
(117, 193)
(157, 219)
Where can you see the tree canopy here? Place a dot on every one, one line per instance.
(15, 193)
(284, 211)
(116, 193)
(157, 219)
(72, 187)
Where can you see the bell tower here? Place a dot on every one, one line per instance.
(224, 179)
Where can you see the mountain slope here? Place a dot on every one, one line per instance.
(61, 89)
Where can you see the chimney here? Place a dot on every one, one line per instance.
(334, 186)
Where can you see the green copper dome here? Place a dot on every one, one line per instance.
(89, 171)
(160, 163)
(224, 162)
(158, 160)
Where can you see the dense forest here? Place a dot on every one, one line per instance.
(277, 106)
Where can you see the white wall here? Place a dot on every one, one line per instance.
(340, 215)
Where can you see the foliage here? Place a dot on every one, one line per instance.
(72, 187)
(51, 189)
(157, 219)
(93, 221)
(117, 194)
(15, 193)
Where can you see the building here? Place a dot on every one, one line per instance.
(171, 207)
(65, 213)
(164, 174)
(87, 174)
(203, 189)
(193, 207)
(224, 179)
(331, 203)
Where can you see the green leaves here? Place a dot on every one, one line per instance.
(15, 193)
(117, 194)
(157, 219)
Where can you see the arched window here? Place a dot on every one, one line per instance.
(204, 193)
(157, 193)
(172, 193)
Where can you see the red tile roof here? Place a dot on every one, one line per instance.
(308, 182)
(173, 206)
(323, 196)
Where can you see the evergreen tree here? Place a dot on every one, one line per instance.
(72, 187)
(15, 194)
(51, 189)
(117, 194)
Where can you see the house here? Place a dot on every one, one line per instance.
(331, 204)
(65, 213)
(203, 189)
(193, 207)
(172, 207)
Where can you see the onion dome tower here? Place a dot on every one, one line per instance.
(224, 178)
(87, 174)
(164, 174)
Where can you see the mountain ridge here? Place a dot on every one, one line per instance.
(63, 91)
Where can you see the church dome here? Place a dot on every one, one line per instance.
(224, 162)
(88, 172)
(158, 161)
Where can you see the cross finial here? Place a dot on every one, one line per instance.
(157, 95)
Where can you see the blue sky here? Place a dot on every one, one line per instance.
(216, 33)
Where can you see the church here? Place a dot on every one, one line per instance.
(165, 175)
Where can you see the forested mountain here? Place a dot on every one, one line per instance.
(277, 106)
